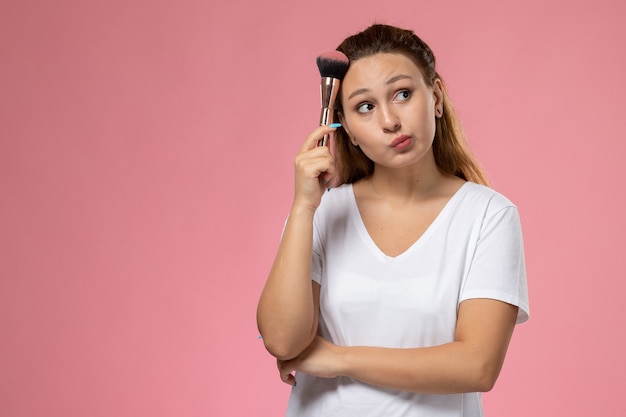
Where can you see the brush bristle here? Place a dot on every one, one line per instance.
(333, 64)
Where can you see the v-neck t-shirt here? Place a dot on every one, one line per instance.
(473, 249)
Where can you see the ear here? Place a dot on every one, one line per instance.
(342, 120)
(438, 96)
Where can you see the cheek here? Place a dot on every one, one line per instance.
(352, 125)
(428, 121)
(359, 132)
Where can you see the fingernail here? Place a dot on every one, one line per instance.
(335, 125)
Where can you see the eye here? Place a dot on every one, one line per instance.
(364, 107)
(403, 95)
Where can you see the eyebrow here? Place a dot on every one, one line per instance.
(388, 82)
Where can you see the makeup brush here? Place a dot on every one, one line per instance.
(333, 66)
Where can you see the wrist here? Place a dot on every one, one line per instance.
(299, 209)
(342, 355)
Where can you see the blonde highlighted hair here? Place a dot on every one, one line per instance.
(451, 150)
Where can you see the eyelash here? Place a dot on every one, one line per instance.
(405, 90)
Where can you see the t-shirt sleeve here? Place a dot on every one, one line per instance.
(498, 269)
(316, 261)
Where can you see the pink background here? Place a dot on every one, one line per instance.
(146, 170)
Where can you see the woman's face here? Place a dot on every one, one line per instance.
(389, 110)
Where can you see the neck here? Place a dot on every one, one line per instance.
(409, 183)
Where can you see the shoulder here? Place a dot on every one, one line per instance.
(335, 212)
(337, 202)
(491, 211)
(479, 205)
(338, 196)
(484, 197)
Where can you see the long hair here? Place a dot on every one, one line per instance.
(450, 147)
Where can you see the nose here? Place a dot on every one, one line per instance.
(389, 120)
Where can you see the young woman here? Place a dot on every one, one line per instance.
(400, 275)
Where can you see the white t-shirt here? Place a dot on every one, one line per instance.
(473, 249)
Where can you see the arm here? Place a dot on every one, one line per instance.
(470, 363)
(287, 313)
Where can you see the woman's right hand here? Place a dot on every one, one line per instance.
(315, 170)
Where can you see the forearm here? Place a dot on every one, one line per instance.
(286, 314)
(470, 363)
(444, 369)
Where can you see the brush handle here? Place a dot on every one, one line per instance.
(328, 93)
(326, 119)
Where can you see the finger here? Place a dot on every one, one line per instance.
(314, 163)
(291, 380)
(285, 372)
(315, 136)
(316, 152)
(330, 179)
(330, 176)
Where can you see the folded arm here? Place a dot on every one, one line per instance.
(470, 363)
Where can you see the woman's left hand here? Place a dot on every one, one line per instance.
(320, 359)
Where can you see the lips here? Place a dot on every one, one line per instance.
(400, 141)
